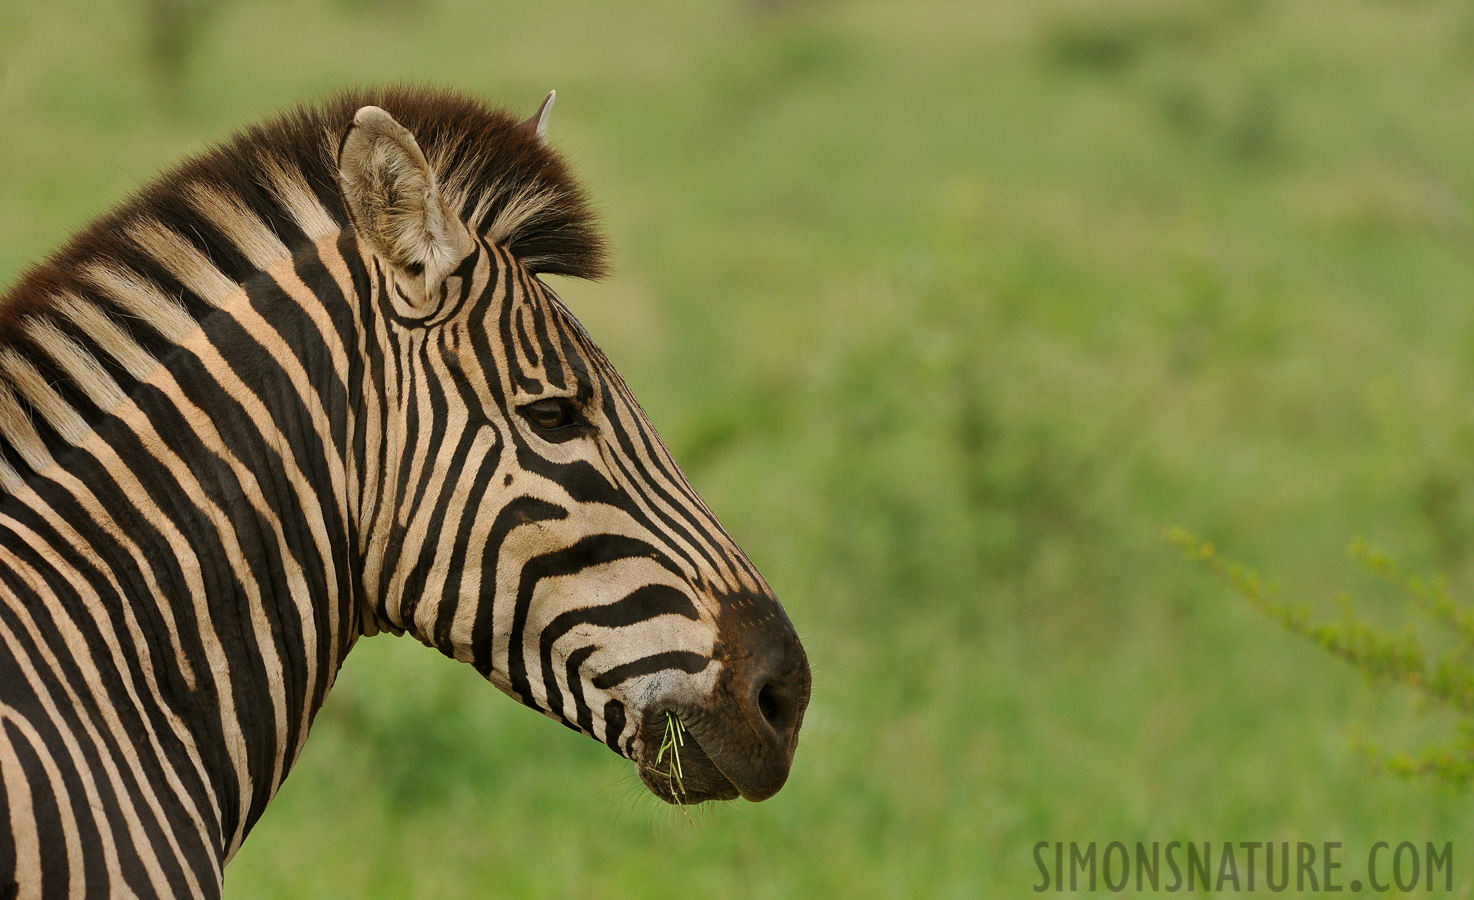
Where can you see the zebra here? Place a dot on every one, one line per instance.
(310, 386)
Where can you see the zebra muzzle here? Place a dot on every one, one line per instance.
(678, 769)
(740, 742)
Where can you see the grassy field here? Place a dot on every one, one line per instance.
(949, 309)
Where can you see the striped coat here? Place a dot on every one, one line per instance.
(307, 387)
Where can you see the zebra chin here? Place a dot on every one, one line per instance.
(698, 778)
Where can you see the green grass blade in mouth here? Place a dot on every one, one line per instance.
(675, 739)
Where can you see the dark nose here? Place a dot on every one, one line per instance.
(772, 690)
(776, 696)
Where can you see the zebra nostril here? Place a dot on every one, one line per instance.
(774, 709)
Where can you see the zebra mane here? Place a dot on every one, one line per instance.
(273, 186)
(79, 331)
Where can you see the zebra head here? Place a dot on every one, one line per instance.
(517, 510)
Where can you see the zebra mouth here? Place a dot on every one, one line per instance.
(676, 767)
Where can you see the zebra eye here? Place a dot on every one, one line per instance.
(552, 414)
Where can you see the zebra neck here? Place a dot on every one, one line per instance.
(193, 554)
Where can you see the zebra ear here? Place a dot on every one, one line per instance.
(538, 123)
(396, 207)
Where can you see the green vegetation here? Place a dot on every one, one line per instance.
(1383, 656)
(675, 739)
(948, 307)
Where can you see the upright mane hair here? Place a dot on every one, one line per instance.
(503, 180)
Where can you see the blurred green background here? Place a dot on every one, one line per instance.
(948, 309)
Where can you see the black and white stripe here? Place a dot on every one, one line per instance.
(308, 387)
